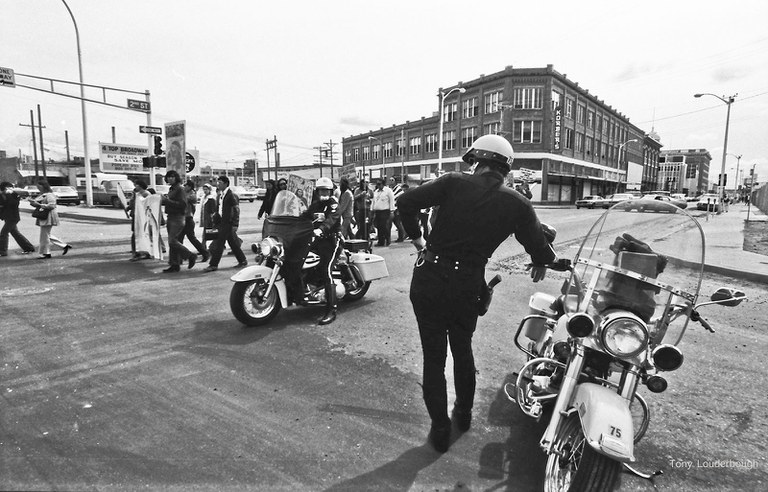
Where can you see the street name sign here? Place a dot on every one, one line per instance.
(150, 129)
(138, 105)
(7, 78)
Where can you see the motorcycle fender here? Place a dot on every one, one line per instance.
(252, 272)
(606, 421)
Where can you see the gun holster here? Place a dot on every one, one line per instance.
(484, 299)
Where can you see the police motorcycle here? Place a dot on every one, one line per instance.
(260, 292)
(632, 291)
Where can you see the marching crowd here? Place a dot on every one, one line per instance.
(476, 213)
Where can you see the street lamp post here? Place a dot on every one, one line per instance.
(618, 158)
(728, 102)
(738, 160)
(443, 95)
(86, 157)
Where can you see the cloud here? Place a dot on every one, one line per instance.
(726, 74)
(356, 121)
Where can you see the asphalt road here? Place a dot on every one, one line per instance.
(116, 376)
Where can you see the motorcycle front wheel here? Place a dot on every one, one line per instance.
(574, 466)
(250, 306)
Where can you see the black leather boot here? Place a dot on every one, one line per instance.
(330, 309)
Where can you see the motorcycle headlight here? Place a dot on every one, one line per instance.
(271, 247)
(623, 334)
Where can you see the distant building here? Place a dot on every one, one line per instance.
(568, 143)
(684, 171)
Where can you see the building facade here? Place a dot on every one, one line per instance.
(568, 143)
(684, 171)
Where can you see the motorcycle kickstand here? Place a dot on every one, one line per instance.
(646, 476)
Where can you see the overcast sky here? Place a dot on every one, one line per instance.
(308, 72)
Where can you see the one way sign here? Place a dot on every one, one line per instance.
(7, 78)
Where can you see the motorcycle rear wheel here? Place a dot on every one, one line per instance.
(574, 466)
(249, 305)
(357, 294)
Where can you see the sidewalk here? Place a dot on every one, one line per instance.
(724, 245)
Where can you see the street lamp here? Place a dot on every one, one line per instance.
(728, 102)
(443, 95)
(738, 160)
(86, 157)
(618, 158)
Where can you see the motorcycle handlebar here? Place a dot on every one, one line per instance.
(695, 316)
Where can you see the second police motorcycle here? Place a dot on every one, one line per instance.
(260, 291)
(615, 327)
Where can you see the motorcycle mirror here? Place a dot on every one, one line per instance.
(728, 297)
(318, 217)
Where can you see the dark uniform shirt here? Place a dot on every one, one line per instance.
(330, 207)
(477, 213)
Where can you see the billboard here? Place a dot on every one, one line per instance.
(121, 158)
(176, 147)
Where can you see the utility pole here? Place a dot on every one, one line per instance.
(272, 144)
(34, 140)
(320, 155)
(66, 141)
(42, 148)
(330, 145)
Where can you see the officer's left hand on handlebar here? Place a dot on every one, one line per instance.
(318, 232)
(537, 272)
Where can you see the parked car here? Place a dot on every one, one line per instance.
(161, 189)
(679, 196)
(709, 201)
(654, 203)
(260, 193)
(244, 194)
(30, 191)
(66, 195)
(590, 201)
(612, 200)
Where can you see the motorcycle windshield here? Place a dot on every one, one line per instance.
(647, 262)
(287, 204)
(294, 233)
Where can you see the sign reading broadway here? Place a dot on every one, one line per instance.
(122, 158)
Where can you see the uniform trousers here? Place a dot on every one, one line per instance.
(444, 301)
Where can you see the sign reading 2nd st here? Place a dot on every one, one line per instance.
(139, 105)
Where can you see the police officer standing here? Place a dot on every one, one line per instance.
(476, 214)
(328, 243)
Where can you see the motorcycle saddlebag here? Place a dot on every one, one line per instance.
(356, 245)
(371, 267)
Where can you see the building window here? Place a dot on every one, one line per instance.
(493, 101)
(527, 98)
(388, 149)
(579, 142)
(527, 132)
(376, 151)
(468, 136)
(366, 153)
(347, 156)
(569, 108)
(449, 140)
(415, 144)
(449, 112)
(431, 142)
(590, 145)
(605, 125)
(492, 128)
(399, 146)
(568, 138)
(469, 107)
(590, 119)
(690, 172)
(599, 150)
(580, 110)
(355, 155)
(556, 98)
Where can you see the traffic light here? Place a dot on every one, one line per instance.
(147, 161)
(722, 180)
(158, 145)
(153, 161)
(159, 161)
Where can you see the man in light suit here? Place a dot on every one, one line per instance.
(227, 219)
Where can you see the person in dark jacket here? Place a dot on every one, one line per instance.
(227, 219)
(175, 203)
(476, 214)
(9, 214)
(328, 242)
(189, 220)
(269, 199)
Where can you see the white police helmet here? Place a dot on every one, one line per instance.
(494, 148)
(324, 184)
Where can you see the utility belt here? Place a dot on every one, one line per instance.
(428, 256)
